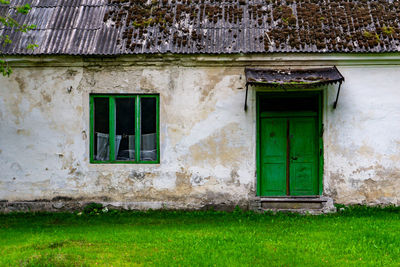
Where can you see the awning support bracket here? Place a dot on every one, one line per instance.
(245, 100)
(337, 96)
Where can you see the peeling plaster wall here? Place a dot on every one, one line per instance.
(362, 137)
(208, 142)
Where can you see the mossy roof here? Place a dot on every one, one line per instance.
(118, 27)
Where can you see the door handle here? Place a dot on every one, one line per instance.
(294, 158)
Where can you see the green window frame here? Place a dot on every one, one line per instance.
(112, 128)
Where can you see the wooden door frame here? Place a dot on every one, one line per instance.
(319, 115)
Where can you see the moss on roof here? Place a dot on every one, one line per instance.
(302, 25)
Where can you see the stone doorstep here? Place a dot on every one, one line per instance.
(307, 204)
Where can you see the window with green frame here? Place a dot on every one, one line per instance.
(124, 129)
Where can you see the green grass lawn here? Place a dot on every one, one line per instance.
(362, 236)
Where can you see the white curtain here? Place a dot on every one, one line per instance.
(149, 147)
(131, 147)
(147, 153)
(103, 146)
(117, 144)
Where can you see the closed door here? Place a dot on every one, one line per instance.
(288, 156)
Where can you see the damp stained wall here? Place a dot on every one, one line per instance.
(208, 142)
(207, 152)
(362, 137)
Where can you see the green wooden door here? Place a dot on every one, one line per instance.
(273, 156)
(288, 156)
(303, 157)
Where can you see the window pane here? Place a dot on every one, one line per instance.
(101, 129)
(289, 103)
(125, 129)
(148, 147)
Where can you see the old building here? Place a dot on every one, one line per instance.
(199, 103)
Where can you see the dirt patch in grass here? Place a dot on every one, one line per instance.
(53, 259)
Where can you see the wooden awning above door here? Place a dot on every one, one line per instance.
(293, 78)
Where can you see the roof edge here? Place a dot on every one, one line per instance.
(227, 60)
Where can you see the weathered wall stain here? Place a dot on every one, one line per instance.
(23, 132)
(21, 84)
(12, 105)
(380, 188)
(219, 148)
(214, 77)
(70, 73)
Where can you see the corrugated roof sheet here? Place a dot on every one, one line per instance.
(116, 27)
(293, 77)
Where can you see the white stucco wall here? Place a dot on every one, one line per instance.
(362, 137)
(208, 142)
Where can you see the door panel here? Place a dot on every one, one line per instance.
(303, 157)
(273, 156)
